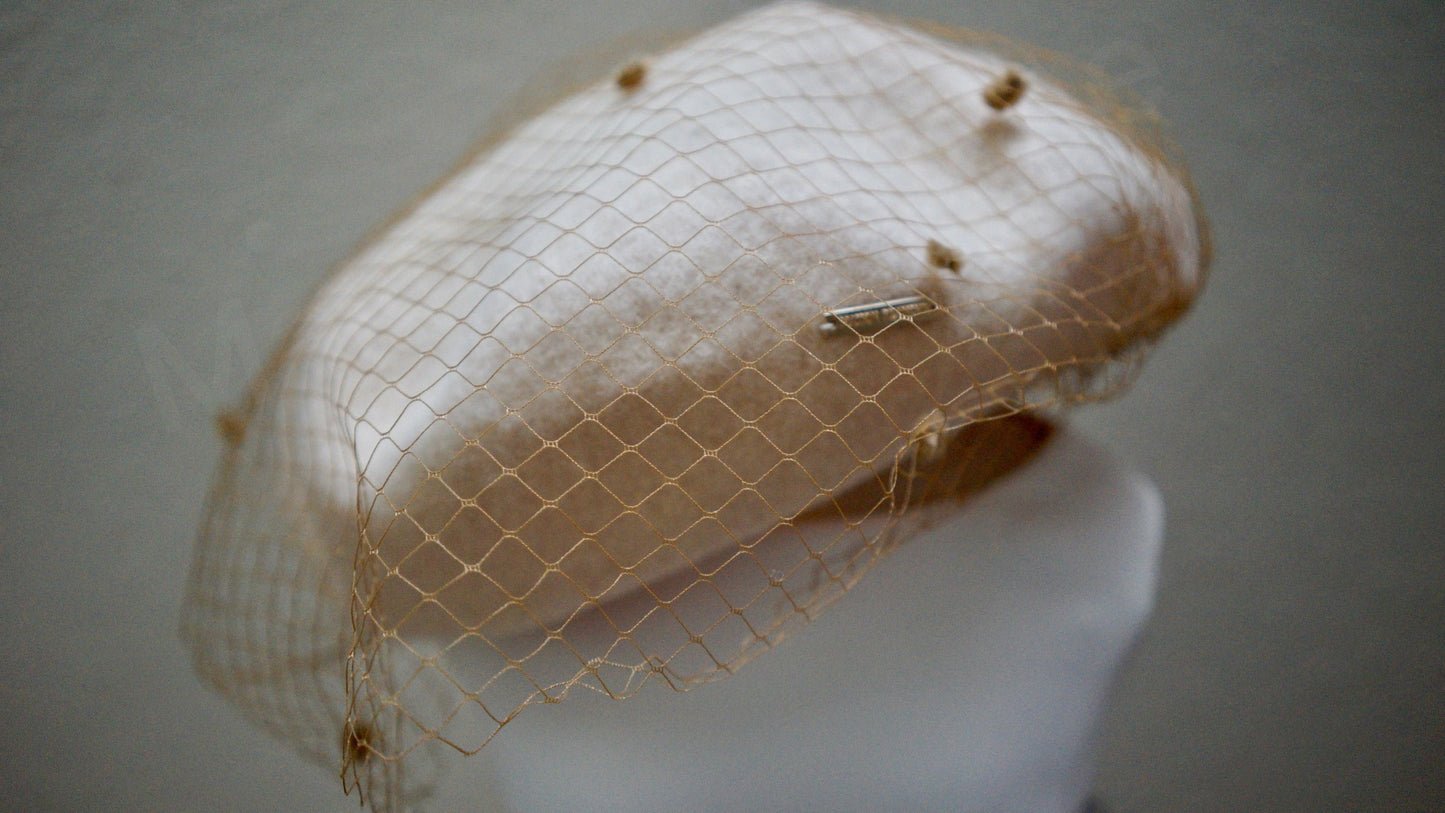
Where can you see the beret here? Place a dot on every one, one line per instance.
(658, 373)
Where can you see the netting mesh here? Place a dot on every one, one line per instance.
(656, 377)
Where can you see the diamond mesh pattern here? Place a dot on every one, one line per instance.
(589, 415)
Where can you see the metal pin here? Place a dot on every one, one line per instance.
(874, 316)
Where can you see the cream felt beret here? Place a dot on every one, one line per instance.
(659, 373)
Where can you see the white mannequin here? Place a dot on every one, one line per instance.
(966, 672)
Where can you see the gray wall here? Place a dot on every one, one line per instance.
(175, 177)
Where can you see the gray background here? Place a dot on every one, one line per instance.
(176, 177)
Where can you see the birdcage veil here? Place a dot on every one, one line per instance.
(658, 375)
